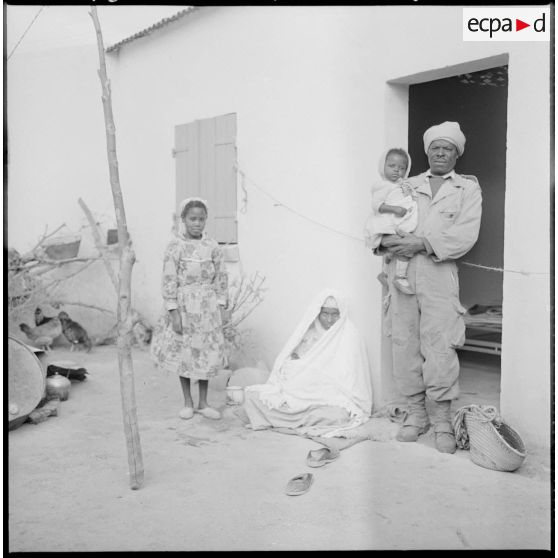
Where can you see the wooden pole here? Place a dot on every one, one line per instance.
(127, 259)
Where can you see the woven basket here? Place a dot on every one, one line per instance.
(62, 247)
(494, 445)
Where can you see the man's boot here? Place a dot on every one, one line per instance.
(443, 429)
(416, 422)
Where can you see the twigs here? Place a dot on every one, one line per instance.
(46, 287)
(245, 297)
(45, 236)
(248, 292)
(49, 263)
(250, 297)
(234, 303)
(27, 286)
(62, 302)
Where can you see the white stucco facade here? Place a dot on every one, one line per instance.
(56, 151)
(317, 99)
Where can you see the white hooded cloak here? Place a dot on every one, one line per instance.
(334, 371)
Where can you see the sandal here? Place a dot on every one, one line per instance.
(186, 413)
(209, 412)
(299, 485)
(318, 458)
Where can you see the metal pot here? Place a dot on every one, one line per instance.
(235, 395)
(58, 386)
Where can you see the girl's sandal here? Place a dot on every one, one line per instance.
(186, 413)
(209, 412)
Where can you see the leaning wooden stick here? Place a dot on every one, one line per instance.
(134, 314)
(99, 243)
(127, 258)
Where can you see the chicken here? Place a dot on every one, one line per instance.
(43, 335)
(40, 318)
(40, 341)
(74, 332)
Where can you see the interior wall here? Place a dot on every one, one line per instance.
(478, 101)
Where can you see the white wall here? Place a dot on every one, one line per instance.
(526, 363)
(309, 87)
(56, 142)
(293, 140)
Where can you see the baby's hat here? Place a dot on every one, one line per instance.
(383, 158)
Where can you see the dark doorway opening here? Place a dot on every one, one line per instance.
(478, 101)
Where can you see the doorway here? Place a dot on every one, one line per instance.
(478, 101)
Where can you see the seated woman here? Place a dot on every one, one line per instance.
(320, 382)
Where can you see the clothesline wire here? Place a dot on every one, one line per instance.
(489, 268)
(278, 203)
(292, 210)
(26, 30)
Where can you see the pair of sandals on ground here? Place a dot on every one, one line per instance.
(316, 458)
(207, 412)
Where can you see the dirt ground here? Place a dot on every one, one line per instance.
(215, 485)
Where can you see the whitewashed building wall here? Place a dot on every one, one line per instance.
(309, 86)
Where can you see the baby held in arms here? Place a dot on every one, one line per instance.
(394, 211)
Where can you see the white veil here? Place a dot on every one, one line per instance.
(335, 371)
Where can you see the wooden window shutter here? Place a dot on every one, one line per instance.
(205, 155)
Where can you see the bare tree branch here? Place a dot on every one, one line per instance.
(127, 258)
(50, 263)
(45, 236)
(62, 302)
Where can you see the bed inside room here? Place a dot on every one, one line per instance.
(480, 356)
(481, 293)
(478, 101)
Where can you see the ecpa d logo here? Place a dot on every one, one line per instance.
(506, 24)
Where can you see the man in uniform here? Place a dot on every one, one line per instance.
(428, 325)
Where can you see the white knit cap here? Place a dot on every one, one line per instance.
(186, 201)
(449, 131)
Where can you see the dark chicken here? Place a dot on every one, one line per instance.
(40, 318)
(74, 332)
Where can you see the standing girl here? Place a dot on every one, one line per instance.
(189, 337)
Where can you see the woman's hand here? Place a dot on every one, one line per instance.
(176, 321)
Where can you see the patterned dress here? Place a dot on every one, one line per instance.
(195, 283)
